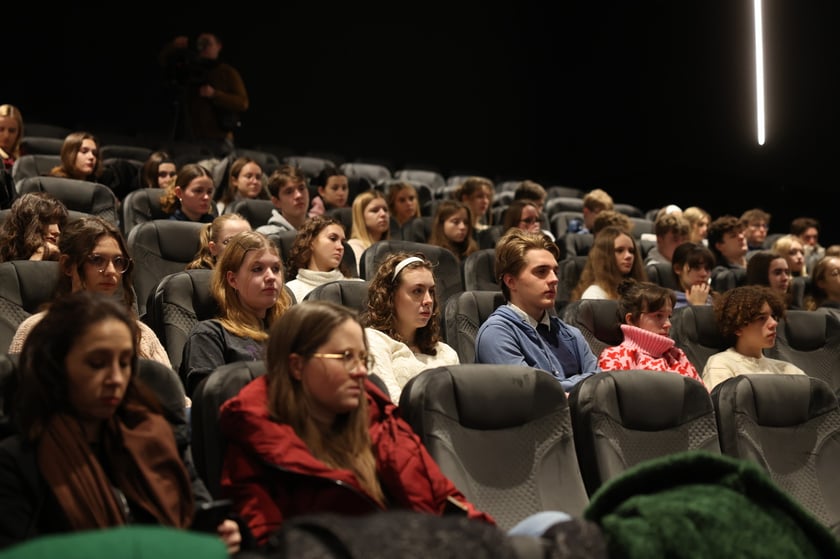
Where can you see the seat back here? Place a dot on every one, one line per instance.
(8, 386)
(25, 285)
(694, 330)
(159, 248)
(176, 304)
(724, 279)
(480, 271)
(463, 315)
(140, 206)
(41, 145)
(208, 444)
(510, 460)
(578, 244)
(350, 293)
(257, 212)
(433, 179)
(811, 341)
(790, 426)
(598, 321)
(559, 221)
(34, 165)
(122, 151)
(446, 269)
(558, 204)
(570, 270)
(163, 381)
(82, 196)
(622, 418)
(345, 216)
(310, 166)
(662, 273)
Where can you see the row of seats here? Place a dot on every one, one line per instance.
(543, 451)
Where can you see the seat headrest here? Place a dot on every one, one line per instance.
(702, 326)
(805, 330)
(600, 316)
(782, 400)
(655, 400)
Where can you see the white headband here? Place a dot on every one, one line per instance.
(403, 264)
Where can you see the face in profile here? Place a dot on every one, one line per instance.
(778, 275)
(227, 231)
(760, 332)
(258, 281)
(98, 371)
(658, 322)
(414, 299)
(534, 289)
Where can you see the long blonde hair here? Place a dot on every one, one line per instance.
(344, 444)
(359, 228)
(234, 316)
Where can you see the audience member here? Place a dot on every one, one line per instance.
(333, 191)
(32, 228)
(613, 257)
(477, 193)
(316, 256)
(80, 159)
(211, 94)
(793, 250)
(692, 264)
(523, 214)
(93, 257)
(158, 171)
(832, 250)
(245, 180)
(645, 309)
(770, 269)
(671, 230)
(11, 132)
(370, 223)
(699, 220)
(533, 191)
(214, 237)
(452, 229)
(727, 242)
(402, 204)
(314, 435)
(247, 284)
(594, 202)
(747, 317)
(93, 449)
(825, 285)
(191, 197)
(402, 321)
(607, 218)
(756, 223)
(524, 331)
(290, 196)
(808, 231)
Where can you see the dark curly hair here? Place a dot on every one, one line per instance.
(739, 306)
(22, 233)
(380, 307)
(301, 252)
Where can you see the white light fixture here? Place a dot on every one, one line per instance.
(759, 73)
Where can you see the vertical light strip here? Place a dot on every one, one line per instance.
(759, 74)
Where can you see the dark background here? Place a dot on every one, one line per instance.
(651, 100)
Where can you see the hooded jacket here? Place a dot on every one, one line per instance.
(271, 475)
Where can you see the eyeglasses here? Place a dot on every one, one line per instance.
(100, 263)
(529, 220)
(351, 360)
(164, 174)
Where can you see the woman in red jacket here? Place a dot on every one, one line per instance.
(315, 435)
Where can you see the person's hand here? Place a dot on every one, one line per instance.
(228, 531)
(207, 90)
(698, 294)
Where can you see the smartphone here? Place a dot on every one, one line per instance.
(208, 516)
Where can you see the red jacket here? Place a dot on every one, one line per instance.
(270, 474)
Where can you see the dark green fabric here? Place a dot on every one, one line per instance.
(137, 542)
(699, 505)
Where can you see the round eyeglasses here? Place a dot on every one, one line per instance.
(350, 360)
(100, 263)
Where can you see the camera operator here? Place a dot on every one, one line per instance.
(210, 94)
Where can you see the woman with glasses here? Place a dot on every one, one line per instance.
(403, 321)
(747, 317)
(315, 435)
(93, 257)
(214, 237)
(247, 284)
(645, 309)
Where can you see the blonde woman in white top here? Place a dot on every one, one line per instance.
(747, 317)
(371, 222)
(403, 322)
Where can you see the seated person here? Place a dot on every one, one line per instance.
(728, 243)
(825, 286)
(245, 181)
(646, 309)
(769, 268)
(692, 265)
(190, 198)
(403, 321)
(316, 256)
(333, 191)
(614, 256)
(290, 196)
(214, 237)
(93, 449)
(452, 229)
(671, 229)
(747, 317)
(32, 228)
(594, 202)
(756, 223)
(314, 435)
(524, 332)
(247, 284)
